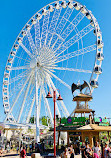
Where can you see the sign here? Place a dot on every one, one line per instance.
(101, 121)
(73, 121)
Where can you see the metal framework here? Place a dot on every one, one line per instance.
(61, 40)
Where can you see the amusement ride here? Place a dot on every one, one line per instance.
(60, 44)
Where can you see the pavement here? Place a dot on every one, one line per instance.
(76, 156)
(15, 155)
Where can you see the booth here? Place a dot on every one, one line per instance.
(84, 129)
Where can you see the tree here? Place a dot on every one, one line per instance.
(45, 120)
(32, 119)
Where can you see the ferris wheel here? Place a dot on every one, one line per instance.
(59, 45)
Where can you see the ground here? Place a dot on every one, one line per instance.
(77, 156)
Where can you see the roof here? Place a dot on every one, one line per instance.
(87, 127)
(90, 127)
(82, 97)
(82, 110)
(18, 126)
(100, 128)
(63, 128)
(95, 127)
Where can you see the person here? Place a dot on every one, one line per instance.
(106, 149)
(35, 147)
(62, 154)
(71, 153)
(43, 145)
(101, 149)
(65, 153)
(23, 153)
(96, 150)
(109, 152)
(17, 149)
(50, 143)
(87, 151)
(26, 148)
(78, 148)
(8, 148)
(1, 152)
(82, 149)
(30, 146)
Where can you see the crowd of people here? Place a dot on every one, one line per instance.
(98, 151)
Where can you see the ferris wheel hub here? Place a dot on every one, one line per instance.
(38, 65)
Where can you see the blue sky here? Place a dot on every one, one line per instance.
(14, 15)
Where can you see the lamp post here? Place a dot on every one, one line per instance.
(54, 100)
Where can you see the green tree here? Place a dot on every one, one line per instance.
(32, 119)
(45, 120)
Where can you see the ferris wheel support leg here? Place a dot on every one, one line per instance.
(26, 93)
(40, 98)
(37, 108)
(30, 111)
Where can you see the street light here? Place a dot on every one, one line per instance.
(54, 100)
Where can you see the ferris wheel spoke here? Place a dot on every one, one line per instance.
(31, 42)
(57, 109)
(37, 35)
(72, 25)
(26, 50)
(62, 103)
(17, 97)
(31, 107)
(19, 76)
(18, 85)
(73, 40)
(44, 53)
(47, 56)
(21, 58)
(72, 69)
(24, 100)
(63, 20)
(65, 84)
(30, 110)
(53, 24)
(48, 107)
(76, 53)
(45, 29)
(62, 110)
(62, 24)
(40, 98)
(48, 62)
(20, 67)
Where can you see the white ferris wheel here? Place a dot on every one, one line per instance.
(60, 44)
